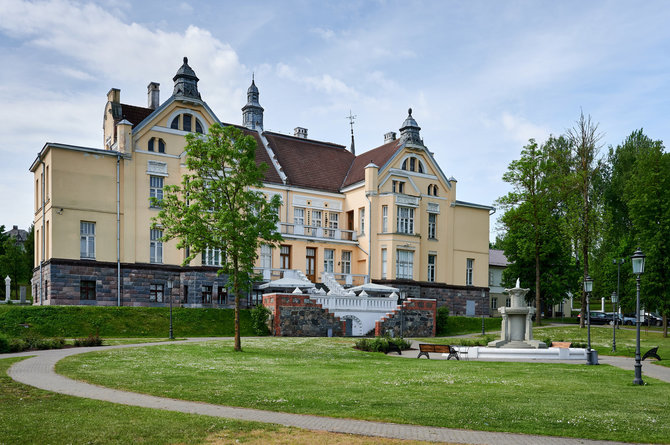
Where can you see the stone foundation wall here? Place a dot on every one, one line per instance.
(416, 319)
(452, 296)
(62, 281)
(295, 315)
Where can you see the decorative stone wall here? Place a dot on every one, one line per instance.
(416, 319)
(62, 280)
(295, 315)
(452, 296)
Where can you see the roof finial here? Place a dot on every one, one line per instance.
(252, 76)
(409, 111)
(351, 118)
(185, 59)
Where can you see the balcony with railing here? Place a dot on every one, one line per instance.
(324, 233)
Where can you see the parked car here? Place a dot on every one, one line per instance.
(629, 319)
(653, 319)
(600, 318)
(614, 315)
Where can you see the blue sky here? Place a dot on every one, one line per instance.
(482, 77)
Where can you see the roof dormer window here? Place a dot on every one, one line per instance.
(188, 122)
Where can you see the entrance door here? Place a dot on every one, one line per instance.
(348, 327)
(470, 308)
(310, 264)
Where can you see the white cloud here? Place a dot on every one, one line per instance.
(521, 130)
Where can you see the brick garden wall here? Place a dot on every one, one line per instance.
(417, 319)
(452, 296)
(295, 315)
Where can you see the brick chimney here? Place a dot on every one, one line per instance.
(153, 95)
(300, 132)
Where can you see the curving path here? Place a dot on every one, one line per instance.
(39, 371)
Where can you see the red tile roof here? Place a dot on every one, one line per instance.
(134, 114)
(262, 156)
(379, 156)
(309, 163)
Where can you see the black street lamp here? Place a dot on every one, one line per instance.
(169, 286)
(483, 306)
(588, 288)
(638, 269)
(615, 315)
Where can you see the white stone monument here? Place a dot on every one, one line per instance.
(517, 323)
(8, 282)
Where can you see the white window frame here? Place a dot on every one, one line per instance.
(317, 218)
(212, 256)
(329, 260)
(405, 220)
(156, 246)
(266, 256)
(432, 261)
(156, 184)
(298, 216)
(385, 219)
(494, 303)
(469, 266)
(432, 226)
(87, 240)
(361, 215)
(346, 262)
(384, 263)
(404, 265)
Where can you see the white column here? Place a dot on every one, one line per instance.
(8, 282)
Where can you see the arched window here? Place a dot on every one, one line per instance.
(434, 190)
(151, 144)
(175, 123)
(161, 146)
(413, 164)
(198, 126)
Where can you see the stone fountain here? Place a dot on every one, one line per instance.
(517, 323)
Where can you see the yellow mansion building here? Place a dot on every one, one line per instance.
(388, 215)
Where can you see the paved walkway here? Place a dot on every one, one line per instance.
(39, 371)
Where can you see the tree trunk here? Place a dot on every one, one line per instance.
(236, 289)
(665, 325)
(538, 304)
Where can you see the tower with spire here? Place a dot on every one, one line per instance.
(409, 132)
(252, 112)
(186, 82)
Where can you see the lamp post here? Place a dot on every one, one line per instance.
(483, 306)
(169, 286)
(638, 269)
(618, 262)
(588, 288)
(614, 318)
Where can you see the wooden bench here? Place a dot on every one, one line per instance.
(653, 352)
(561, 344)
(426, 348)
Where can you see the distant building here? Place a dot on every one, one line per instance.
(19, 235)
(388, 215)
(497, 264)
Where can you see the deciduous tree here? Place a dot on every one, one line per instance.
(219, 205)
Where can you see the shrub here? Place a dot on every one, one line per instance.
(441, 320)
(17, 345)
(259, 320)
(4, 344)
(91, 340)
(381, 344)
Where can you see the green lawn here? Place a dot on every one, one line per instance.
(328, 377)
(601, 339)
(30, 415)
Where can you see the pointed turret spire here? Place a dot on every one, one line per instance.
(186, 82)
(409, 132)
(351, 118)
(252, 112)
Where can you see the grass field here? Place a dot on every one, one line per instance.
(30, 415)
(328, 377)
